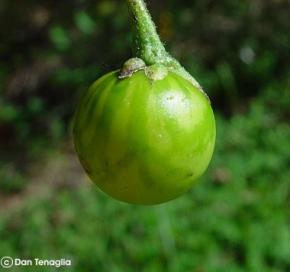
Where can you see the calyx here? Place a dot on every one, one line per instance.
(131, 66)
(153, 72)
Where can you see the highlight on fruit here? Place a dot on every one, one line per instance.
(146, 132)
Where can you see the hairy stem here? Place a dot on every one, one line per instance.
(148, 45)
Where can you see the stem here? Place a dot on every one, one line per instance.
(148, 45)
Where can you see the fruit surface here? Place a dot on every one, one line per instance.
(144, 141)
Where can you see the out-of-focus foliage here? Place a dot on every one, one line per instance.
(237, 219)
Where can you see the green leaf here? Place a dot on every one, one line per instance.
(60, 38)
(85, 23)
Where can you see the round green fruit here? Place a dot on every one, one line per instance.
(144, 139)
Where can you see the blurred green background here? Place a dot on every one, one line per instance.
(236, 219)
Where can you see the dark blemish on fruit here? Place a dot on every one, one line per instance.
(126, 160)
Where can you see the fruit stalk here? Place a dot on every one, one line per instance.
(148, 45)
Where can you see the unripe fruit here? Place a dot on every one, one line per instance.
(146, 133)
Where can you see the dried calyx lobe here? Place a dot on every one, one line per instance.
(150, 53)
(154, 72)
